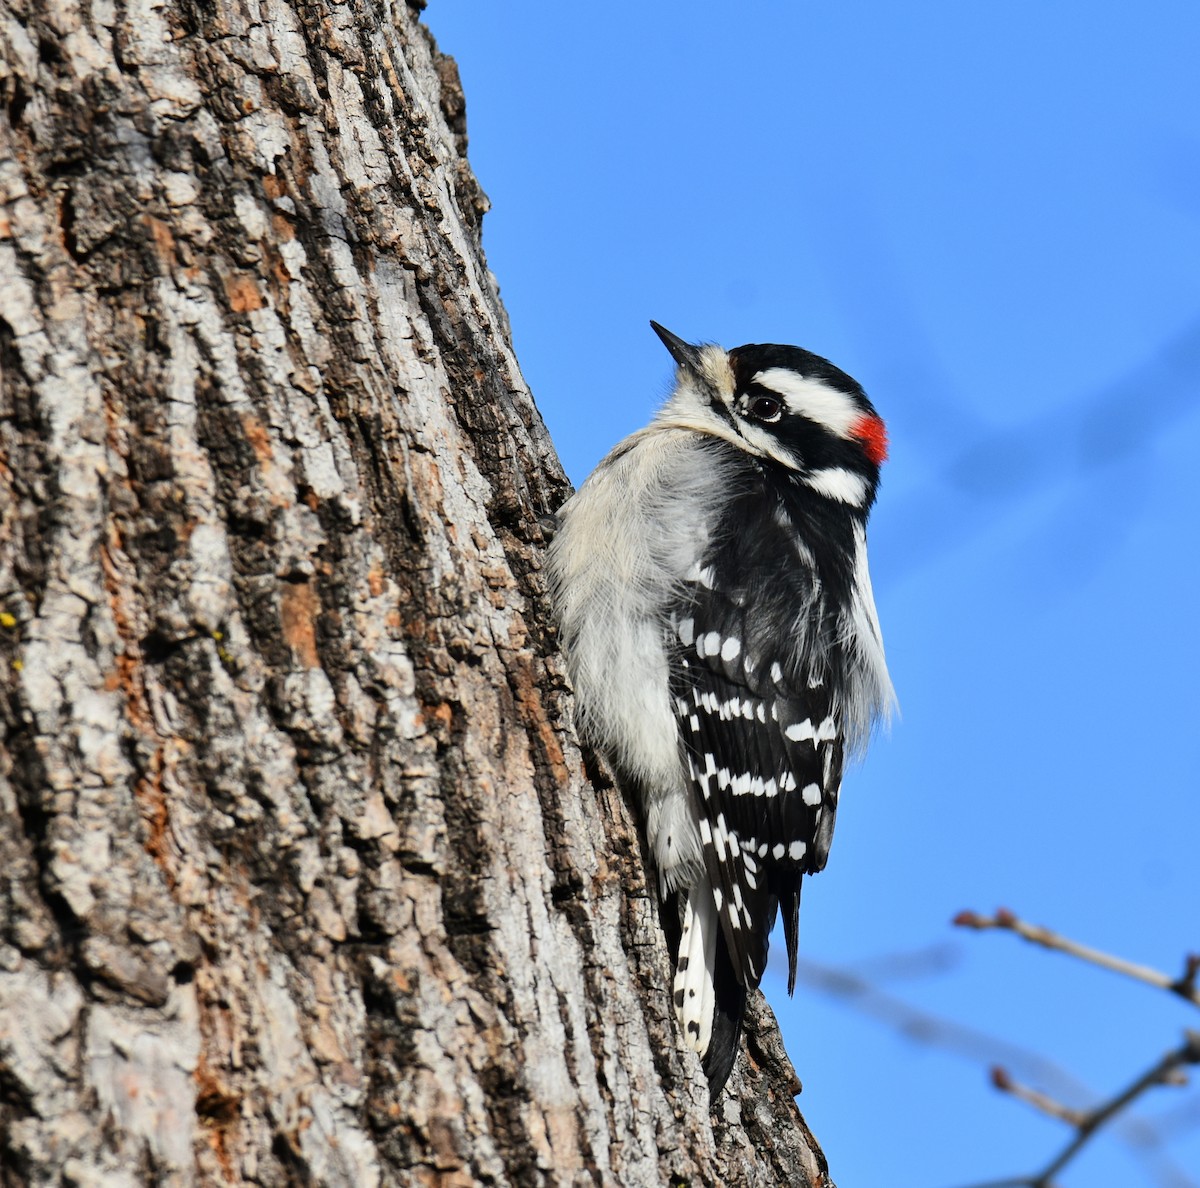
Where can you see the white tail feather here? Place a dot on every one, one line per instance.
(695, 992)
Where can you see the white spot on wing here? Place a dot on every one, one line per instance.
(719, 838)
(730, 649)
(811, 794)
(799, 731)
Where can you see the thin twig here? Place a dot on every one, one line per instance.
(1144, 1139)
(1087, 1123)
(1167, 1070)
(1184, 986)
(1043, 1102)
(1159, 1074)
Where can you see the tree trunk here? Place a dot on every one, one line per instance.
(304, 878)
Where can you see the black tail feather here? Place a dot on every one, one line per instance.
(727, 1022)
(789, 903)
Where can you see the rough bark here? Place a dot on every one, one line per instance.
(303, 878)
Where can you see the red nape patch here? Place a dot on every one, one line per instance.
(872, 432)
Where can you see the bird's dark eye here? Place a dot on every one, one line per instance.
(764, 408)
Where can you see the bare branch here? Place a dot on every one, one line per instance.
(1145, 1140)
(1184, 986)
(1161, 1073)
(1042, 1102)
(1167, 1070)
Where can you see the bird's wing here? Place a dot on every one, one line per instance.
(764, 752)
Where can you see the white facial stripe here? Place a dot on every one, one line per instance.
(813, 399)
(838, 483)
(762, 441)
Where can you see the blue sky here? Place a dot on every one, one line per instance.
(989, 214)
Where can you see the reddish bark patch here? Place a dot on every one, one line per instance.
(243, 293)
(299, 606)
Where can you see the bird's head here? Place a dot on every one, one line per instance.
(784, 405)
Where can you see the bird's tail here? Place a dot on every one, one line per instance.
(709, 999)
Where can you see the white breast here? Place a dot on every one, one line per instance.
(640, 521)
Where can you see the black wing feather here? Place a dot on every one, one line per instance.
(762, 733)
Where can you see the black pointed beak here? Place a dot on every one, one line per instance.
(682, 352)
